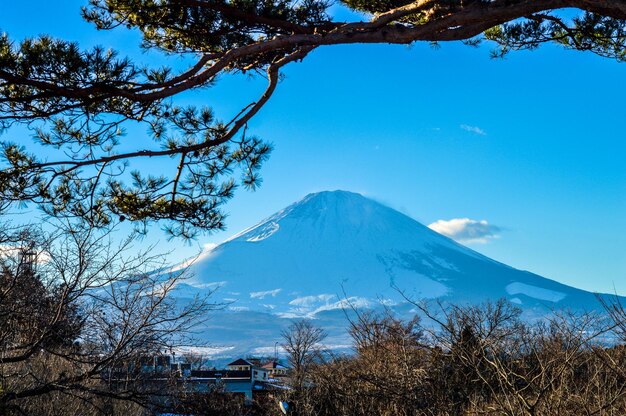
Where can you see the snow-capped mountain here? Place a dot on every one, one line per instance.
(337, 249)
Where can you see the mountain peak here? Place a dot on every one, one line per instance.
(337, 194)
(341, 217)
(329, 200)
(337, 249)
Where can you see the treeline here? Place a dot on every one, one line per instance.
(79, 316)
(473, 360)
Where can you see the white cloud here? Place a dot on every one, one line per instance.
(210, 285)
(262, 295)
(473, 129)
(309, 301)
(466, 230)
(334, 347)
(309, 306)
(209, 351)
(209, 246)
(348, 303)
(238, 308)
(269, 350)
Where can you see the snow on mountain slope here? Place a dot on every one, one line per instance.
(334, 249)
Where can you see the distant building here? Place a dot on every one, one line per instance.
(240, 365)
(182, 369)
(239, 377)
(276, 369)
(155, 363)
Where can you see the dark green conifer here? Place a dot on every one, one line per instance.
(78, 102)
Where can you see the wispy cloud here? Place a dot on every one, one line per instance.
(308, 301)
(262, 295)
(238, 308)
(270, 350)
(473, 129)
(466, 230)
(209, 246)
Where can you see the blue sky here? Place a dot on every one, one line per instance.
(534, 144)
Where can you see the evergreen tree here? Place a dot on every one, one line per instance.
(78, 101)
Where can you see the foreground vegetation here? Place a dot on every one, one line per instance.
(478, 360)
(79, 316)
(456, 360)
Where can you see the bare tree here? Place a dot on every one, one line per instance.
(80, 316)
(196, 360)
(388, 375)
(302, 342)
(471, 360)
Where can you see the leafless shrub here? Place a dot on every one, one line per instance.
(77, 326)
(474, 359)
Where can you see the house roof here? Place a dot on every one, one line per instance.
(240, 361)
(273, 364)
